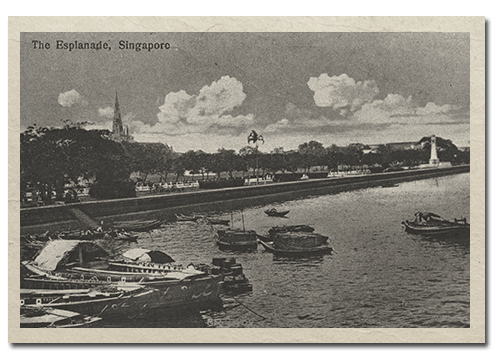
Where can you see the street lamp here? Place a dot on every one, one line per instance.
(254, 137)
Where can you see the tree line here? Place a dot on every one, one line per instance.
(53, 157)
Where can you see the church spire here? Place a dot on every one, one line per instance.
(120, 132)
(117, 119)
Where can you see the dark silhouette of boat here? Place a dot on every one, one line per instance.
(37, 317)
(427, 223)
(296, 243)
(123, 236)
(299, 252)
(218, 222)
(237, 240)
(83, 235)
(290, 228)
(182, 217)
(272, 232)
(389, 184)
(84, 279)
(137, 226)
(105, 300)
(275, 213)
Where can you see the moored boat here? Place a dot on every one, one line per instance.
(296, 243)
(389, 185)
(237, 240)
(79, 265)
(102, 301)
(290, 228)
(82, 235)
(45, 317)
(137, 226)
(276, 213)
(234, 280)
(218, 222)
(428, 223)
(299, 252)
(182, 217)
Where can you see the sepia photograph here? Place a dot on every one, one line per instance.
(257, 180)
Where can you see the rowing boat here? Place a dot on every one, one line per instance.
(299, 252)
(137, 225)
(273, 212)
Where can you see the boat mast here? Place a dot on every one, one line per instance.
(243, 220)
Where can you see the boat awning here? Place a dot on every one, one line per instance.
(60, 252)
(146, 255)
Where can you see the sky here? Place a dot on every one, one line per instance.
(210, 90)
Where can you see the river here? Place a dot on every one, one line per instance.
(379, 276)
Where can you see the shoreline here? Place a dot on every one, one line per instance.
(165, 206)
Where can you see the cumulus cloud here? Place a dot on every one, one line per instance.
(207, 111)
(433, 108)
(71, 98)
(107, 112)
(397, 109)
(342, 92)
(278, 126)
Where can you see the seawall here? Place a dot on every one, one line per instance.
(63, 217)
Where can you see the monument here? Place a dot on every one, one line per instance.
(434, 160)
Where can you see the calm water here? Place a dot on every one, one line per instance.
(380, 276)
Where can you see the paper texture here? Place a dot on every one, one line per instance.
(475, 26)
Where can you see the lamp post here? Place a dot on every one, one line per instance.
(254, 137)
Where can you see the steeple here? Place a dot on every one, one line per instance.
(117, 120)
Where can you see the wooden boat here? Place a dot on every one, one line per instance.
(302, 252)
(137, 226)
(123, 236)
(79, 265)
(218, 222)
(237, 240)
(296, 243)
(290, 228)
(105, 301)
(275, 213)
(35, 317)
(182, 217)
(389, 184)
(83, 235)
(266, 239)
(235, 281)
(432, 224)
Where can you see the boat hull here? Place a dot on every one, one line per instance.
(54, 318)
(138, 226)
(437, 229)
(202, 292)
(240, 246)
(219, 222)
(92, 304)
(321, 250)
(277, 214)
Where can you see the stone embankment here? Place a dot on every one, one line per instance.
(65, 217)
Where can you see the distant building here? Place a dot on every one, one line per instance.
(120, 132)
(405, 146)
(374, 148)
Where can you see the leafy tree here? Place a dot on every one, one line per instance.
(313, 154)
(226, 161)
(150, 159)
(250, 157)
(52, 157)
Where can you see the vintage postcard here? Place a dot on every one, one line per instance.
(294, 180)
